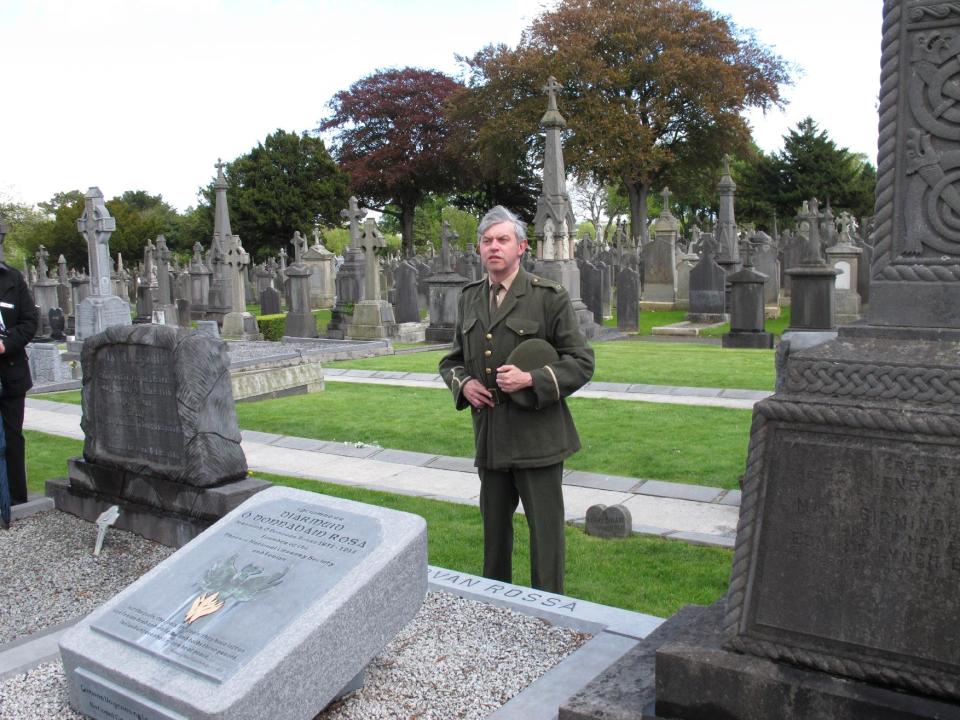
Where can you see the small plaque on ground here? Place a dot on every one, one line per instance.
(609, 522)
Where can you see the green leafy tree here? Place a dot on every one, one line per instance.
(57, 231)
(391, 138)
(24, 221)
(463, 223)
(140, 217)
(811, 165)
(651, 88)
(286, 183)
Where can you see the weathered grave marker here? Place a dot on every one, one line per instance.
(161, 438)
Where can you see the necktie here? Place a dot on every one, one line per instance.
(495, 289)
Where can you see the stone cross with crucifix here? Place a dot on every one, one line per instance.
(812, 254)
(354, 214)
(96, 225)
(299, 246)
(551, 89)
(42, 269)
(371, 240)
(665, 194)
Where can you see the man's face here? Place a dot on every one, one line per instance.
(500, 252)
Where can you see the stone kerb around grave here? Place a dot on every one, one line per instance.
(270, 613)
(158, 401)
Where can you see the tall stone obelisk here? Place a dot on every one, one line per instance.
(230, 262)
(554, 224)
(101, 308)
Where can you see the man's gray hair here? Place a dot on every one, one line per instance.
(500, 214)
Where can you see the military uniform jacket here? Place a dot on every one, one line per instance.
(507, 435)
(20, 318)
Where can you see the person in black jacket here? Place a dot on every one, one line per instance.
(19, 324)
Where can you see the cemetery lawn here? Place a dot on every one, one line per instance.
(701, 446)
(46, 457)
(645, 574)
(687, 444)
(627, 361)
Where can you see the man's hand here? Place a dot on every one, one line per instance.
(476, 394)
(2, 348)
(510, 378)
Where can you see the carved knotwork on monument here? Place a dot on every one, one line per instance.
(877, 381)
(923, 243)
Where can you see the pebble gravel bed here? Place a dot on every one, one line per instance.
(48, 573)
(456, 659)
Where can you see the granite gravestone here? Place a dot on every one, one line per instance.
(707, 282)
(161, 438)
(269, 301)
(272, 612)
(300, 321)
(747, 314)
(407, 305)
(628, 300)
(660, 261)
(843, 595)
(444, 289)
(591, 287)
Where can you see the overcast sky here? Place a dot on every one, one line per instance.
(147, 94)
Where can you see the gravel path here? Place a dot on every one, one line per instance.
(455, 659)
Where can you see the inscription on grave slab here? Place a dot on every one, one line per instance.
(137, 391)
(233, 593)
(157, 401)
(100, 698)
(873, 519)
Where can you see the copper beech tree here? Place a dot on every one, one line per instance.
(391, 138)
(650, 88)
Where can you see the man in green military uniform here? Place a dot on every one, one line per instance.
(520, 446)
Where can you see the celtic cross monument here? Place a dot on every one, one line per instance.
(101, 308)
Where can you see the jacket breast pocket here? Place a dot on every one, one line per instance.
(523, 328)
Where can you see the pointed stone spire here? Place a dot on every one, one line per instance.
(221, 215)
(727, 223)
(554, 202)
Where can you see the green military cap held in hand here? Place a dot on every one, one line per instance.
(530, 355)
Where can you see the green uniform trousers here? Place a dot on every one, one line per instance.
(541, 490)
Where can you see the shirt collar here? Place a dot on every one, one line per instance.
(508, 281)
